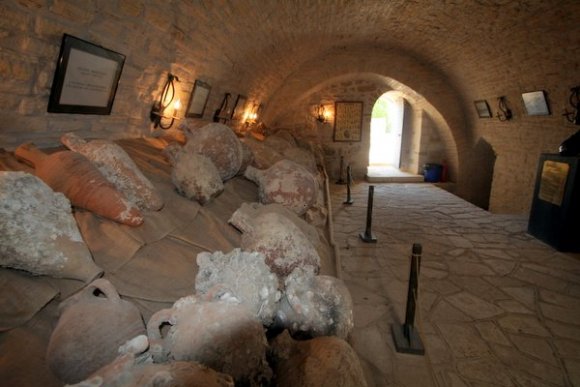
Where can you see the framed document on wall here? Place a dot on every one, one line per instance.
(198, 99)
(85, 79)
(348, 121)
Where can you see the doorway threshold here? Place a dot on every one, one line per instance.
(390, 174)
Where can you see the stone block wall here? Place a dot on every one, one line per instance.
(421, 140)
(155, 37)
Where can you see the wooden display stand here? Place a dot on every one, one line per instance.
(555, 213)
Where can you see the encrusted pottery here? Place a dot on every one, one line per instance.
(223, 335)
(286, 183)
(38, 232)
(220, 144)
(242, 275)
(93, 325)
(117, 167)
(284, 245)
(74, 175)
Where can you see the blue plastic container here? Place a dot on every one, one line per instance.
(432, 172)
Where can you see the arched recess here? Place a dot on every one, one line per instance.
(367, 87)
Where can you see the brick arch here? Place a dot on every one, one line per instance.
(301, 89)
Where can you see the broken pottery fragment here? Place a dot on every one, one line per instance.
(285, 183)
(38, 232)
(319, 362)
(283, 244)
(194, 175)
(127, 371)
(315, 306)
(242, 275)
(75, 176)
(93, 325)
(223, 335)
(118, 168)
(218, 143)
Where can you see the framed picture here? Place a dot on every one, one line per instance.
(225, 110)
(482, 108)
(239, 108)
(198, 99)
(86, 78)
(535, 103)
(348, 121)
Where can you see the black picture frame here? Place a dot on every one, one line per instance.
(239, 108)
(86, 78)
(198, 99)
(482, 108)
(535, 103)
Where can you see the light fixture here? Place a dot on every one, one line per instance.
(574, 99)
(252, 116)
(504, 113)
(321, 114)
(159, 108)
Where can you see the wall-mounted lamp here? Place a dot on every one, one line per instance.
(504, 113)
(321, 114)
(252, 116)
(574, 99)
(159, 108)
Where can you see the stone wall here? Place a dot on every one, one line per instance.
(155, 37)
(421, 142)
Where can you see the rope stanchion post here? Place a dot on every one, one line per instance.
(348, 200)
(340, 178)
(367, 236)
(406, 336)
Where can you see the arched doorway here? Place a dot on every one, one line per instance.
(386, 131)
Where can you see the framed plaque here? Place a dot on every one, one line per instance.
(553, 181)
(482, 108)
(348, 121)
(535, 103)
(85, 79)
(198, 99)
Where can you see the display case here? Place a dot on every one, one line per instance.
(555, 212)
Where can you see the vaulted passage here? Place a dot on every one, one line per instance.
(242, 118)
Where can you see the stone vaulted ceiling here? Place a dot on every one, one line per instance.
(472, 42)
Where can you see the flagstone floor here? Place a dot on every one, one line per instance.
(497, 307)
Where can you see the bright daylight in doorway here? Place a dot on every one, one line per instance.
(386, 132)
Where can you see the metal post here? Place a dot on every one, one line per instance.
(368, 236)
(348, 183)
(340, 179)
(406, 336)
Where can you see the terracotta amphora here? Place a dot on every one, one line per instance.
(223, 335)
(92, 326)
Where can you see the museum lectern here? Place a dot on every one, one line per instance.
(555, 213)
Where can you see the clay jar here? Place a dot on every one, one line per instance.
(222, 335)
(220, 144)
(128, 371)
(320, 362)
(286, 183)
(283, 244)
(93, 324)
